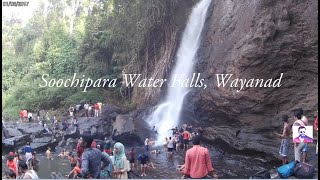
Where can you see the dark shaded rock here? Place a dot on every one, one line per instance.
(62, 143)
(71, 144)
(129, 129)
(5, 134)
(85, 124)
(71, 132)
(41, 144)
(30, 128)
(16, 142)
(256, 39)
(13, 132)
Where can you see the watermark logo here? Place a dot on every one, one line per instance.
(15, 3)
(302, 134)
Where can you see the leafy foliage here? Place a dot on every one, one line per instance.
(99, 38)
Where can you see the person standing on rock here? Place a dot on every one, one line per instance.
(80, 149)
(96, 110)
(33, 163)
(186, 136)
(170, 147)
(197, 161)
(91, 159)
(75, 122)
(11, 163)
(38, 115)
(30, 117)
(285, 142)
(131, 158)
(28, 151)
(65, 125)
(143, 159)
(86, 107)
(146, 144)
(71, 110)
(298, 147)
(21, 115)
(107, 146)
(100, 107)
(25, 115)
(304, 119)
(121, 166)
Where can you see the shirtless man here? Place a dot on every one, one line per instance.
(284, 147)
(49, 153)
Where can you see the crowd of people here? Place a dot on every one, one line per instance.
(21, 166)
(91, 109)
(302, 145)
(109, 160)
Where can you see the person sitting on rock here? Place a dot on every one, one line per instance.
(65, 125)
(46, 129)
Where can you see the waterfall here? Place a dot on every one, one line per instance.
(166, 116)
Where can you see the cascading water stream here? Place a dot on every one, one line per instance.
(167, 114)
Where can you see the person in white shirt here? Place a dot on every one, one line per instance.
(146, 144)
(30, 117)
(86, 107)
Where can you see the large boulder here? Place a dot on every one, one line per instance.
(41, 144)
(30, 128)
(12, 132)
(256, 39)
(16, 142)
(71, 132)
(129, 129)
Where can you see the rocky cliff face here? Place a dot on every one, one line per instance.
(251, 39)
(256, 39)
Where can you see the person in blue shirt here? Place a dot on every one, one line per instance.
(91, 159)
(28, 151)
(144, 160)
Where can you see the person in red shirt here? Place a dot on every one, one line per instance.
(197, 161)
(79, 149)
(186, 136)
(11, 163)
(21, 115)
(96, 110)
(25, 115)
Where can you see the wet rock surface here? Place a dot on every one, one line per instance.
(15, 142)
(256, 39)
(13, 132)
(131, 129)
(30, 128)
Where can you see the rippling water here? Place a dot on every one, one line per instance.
(227, 165)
